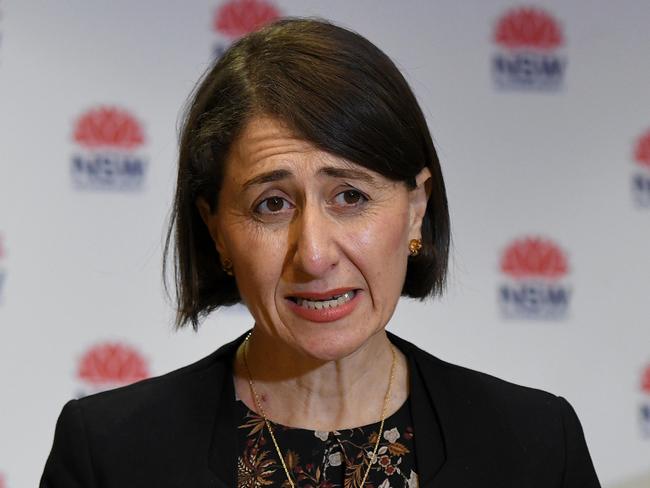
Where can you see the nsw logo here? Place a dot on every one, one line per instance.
(644, 410)
(534, 288)
(110, 365)
(236, 18)
(529, 42)
(3, 272)
(641, 174)
(108, 156)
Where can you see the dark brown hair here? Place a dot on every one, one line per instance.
(335, 89)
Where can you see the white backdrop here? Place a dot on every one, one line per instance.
(539, 118)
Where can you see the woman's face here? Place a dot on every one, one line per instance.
(319, 245)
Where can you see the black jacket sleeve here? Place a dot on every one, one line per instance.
(69, 464)
(579, 470)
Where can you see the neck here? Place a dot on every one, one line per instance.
(299, 391)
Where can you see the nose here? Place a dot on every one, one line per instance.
(313, 235)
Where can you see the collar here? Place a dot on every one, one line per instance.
(430, 450)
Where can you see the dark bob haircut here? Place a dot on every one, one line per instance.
(333, 88)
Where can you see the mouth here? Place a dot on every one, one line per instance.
(327, 306)
(324, 302)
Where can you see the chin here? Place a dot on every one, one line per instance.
(332, 344)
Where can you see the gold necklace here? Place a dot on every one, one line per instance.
(268, 425)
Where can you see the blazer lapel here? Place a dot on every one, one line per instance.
(465, 436)
(430, 452)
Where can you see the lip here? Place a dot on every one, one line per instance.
(325, 314)
(321, 295)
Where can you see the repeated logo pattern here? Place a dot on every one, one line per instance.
(108, 140)
(110, 365)
(534, 269)
(528, 41)
(236, 18)
(641, 174)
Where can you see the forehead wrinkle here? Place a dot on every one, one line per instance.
(255, 152)
(284, 156)
(264, 138)
(253, 157)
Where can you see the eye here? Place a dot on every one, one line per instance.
(272, 205)
(350, 198)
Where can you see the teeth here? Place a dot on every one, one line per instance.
(331, 303)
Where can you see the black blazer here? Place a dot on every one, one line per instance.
(179, 430)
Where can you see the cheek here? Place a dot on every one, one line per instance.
(380, 251)
(385, 229)
(259, 257)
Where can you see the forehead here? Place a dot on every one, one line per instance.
(266, 142)
(265, 137)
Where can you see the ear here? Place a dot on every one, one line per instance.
(418, 198)
(204, 209)
(211, 222)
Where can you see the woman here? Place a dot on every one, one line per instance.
(309, 190)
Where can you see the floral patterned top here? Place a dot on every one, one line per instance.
(326, 459)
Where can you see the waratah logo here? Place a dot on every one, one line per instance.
(110, 365)
(3, 273)
(535, 270)
(644, 412)
(236, 18)
(529, 41)
(108, 157)
(641, 175)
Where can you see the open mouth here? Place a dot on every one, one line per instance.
(330, 302)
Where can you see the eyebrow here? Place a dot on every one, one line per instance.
(348, 173)
(282, 174)
(269, 176)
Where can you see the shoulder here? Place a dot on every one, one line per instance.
(179, 400)
(469, 384)
(178, 386)
(485, 414)
(149, 426)
(490, 403)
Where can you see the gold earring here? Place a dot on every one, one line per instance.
(226, 265)
(414, 246)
